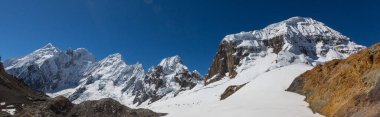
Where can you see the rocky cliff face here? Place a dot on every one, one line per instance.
(343, 88)
(168, 77)
(296, 40)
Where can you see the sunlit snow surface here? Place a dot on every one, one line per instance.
(263, 96)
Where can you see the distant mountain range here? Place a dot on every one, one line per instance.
(16, 99)
(77, 75)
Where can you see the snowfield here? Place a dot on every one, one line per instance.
(263, 96)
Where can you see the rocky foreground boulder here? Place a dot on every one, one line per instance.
(344, 88)
(230, 90)
(62, 107)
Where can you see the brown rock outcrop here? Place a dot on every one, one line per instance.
(109, 107)
(230, 90)
(224, 62)
(229, 56)
(62, 107)
(343, 88)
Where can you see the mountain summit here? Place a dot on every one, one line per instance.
(293, 27)
(49, 69)
(171, 64)
(295, 40)
(169, 77)
(109, 78)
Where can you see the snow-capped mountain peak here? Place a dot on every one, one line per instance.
(116, 56)
(112, 59)
(36, 57)
(169, 77)
(295, 40)
(171, 61)
(295, 20)
(49, 69)
(292, 27)
(48, 49)
(110, 77)
(49, 45)
(171, 64)
(82, 53)
(112, 67)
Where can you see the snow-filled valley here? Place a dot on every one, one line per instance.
(263, 96)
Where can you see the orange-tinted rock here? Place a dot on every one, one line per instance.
(342, 88)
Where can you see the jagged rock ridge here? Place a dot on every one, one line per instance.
(108, 78)
(168, 77)
(77, 75)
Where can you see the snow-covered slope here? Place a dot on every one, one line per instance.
(49, 69)
(263, 96)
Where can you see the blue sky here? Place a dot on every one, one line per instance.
(146, 31)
